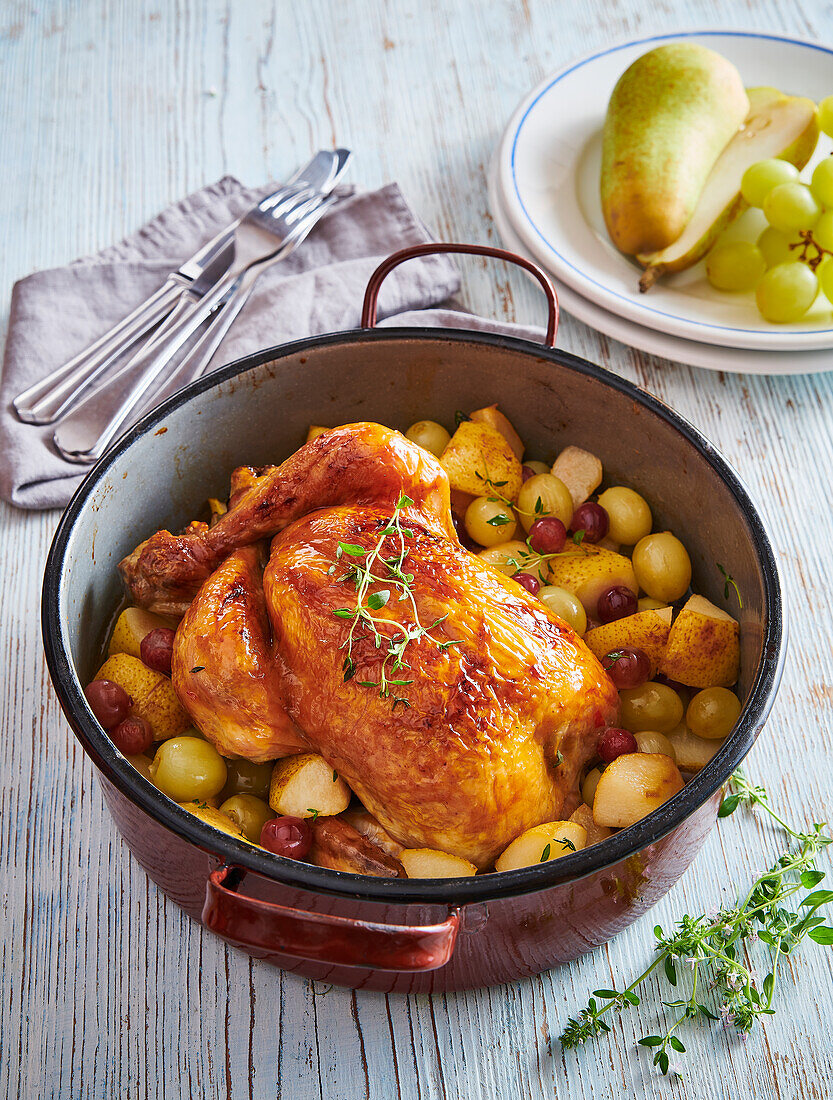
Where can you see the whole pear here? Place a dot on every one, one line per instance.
(670, 116)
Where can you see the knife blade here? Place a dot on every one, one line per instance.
(48, 399)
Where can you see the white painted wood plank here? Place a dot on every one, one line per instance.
(109, 111)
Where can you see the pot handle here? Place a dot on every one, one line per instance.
(374, 285)
(339, 941)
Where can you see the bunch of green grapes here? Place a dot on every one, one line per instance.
(793, 257)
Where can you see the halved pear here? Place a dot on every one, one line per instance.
(131, 627)
(479, 459)
(153, 695)
(492, 415)
(541, 844)
(581, 472)
(634, 785)
(777, 125)
(430, 863)
(646, 630)
(692, 752)
(703, 647)
(588, 571)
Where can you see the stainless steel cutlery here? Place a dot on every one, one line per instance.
(95, 399)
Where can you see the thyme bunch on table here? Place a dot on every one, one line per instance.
(710, 955)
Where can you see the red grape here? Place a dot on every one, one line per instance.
(131, 736)
(287, 836)
(592, 519)
(527, 581)
(616, 603)
(108, 701)
(616, 742)
(547, 535)
(526, 473)
(627, 667)
(157, 649)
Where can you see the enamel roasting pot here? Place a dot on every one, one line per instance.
(399, 934)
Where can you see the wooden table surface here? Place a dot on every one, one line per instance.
(109, 111)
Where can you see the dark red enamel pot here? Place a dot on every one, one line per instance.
(394, 934)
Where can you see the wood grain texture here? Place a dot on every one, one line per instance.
(109, 110)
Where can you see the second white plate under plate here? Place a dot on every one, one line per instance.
(548, 166)
(690, 352)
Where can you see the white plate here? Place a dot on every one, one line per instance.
(710, 356)
(548, 180)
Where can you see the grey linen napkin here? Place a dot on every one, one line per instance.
(55, 314)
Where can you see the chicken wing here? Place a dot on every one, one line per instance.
(357, 464)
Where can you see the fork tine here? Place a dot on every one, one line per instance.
(271, 201)
(309, 180)
(286, 212)
(289, 201)
(284, 194)
(303, 209)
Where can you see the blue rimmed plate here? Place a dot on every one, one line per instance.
(548, 166)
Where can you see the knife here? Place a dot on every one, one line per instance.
(47, 400)
(87, 431)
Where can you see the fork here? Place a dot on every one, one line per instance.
(261, 238)
(50, 398)
(195, 363)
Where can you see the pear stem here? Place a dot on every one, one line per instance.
(649, 277)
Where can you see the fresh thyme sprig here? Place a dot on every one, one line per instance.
(729, 583)
(491, 493)
(564, 841)
(715, 946)
(397, 584)
(530, 559)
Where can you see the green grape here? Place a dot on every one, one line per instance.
(759, 179)
(735, 266)
(825, 115)
(791, 206)
(826, 278)
(822, 182)
(823, 231)
(786, 292)
(775, 246)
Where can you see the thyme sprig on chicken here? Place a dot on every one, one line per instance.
(715, 947)
(372, 570)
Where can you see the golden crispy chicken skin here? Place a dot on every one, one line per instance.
(357, 464)
(223, 668)
(501, 704)
(493, 730)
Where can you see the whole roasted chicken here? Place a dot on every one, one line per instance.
(332, 609)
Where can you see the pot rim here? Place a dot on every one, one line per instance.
(440, 892)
